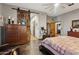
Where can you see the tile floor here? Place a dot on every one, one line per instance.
(32, 48)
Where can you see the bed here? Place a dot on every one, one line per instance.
(61, 45)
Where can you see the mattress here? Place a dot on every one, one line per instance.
(63, 45)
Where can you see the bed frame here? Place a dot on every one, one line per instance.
(45, 51)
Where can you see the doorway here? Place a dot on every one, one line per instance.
(34, 28)
(34, 25)
(58, 24)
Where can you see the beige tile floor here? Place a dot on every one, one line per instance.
(32, 48)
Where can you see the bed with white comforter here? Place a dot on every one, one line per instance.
(62, 45)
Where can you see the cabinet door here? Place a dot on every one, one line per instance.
(11, 34)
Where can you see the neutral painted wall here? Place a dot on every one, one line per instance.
(0, 15)
(8, 11)
(0, 9)
(43, 20)
(66, 20)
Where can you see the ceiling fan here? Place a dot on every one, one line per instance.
(51, 6)
(18, 9)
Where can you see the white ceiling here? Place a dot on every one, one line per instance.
(48, 8)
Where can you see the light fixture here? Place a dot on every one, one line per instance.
(70, 4)
(56, 4)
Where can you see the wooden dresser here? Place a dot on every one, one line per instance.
(16, 34)
(73, 34)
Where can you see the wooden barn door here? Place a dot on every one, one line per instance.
(24, 30)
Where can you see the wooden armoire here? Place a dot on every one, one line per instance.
(17, 34)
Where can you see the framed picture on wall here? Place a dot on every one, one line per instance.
(75, 23)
